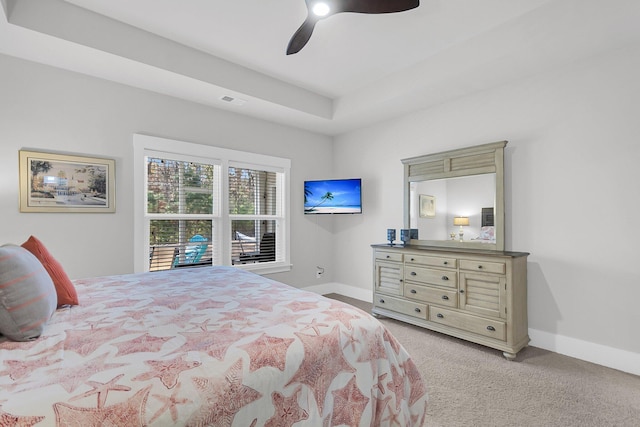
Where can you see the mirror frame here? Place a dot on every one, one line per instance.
(476, 160)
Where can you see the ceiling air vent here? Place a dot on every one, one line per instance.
(232, 100)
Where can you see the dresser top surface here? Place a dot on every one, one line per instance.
(446, 250)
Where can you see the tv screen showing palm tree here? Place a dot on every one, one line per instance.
(333, 196)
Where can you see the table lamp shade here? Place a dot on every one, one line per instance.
(460, 220)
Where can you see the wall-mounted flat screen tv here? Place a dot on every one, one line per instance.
(333, 196)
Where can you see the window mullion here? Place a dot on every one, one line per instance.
(256, 217)
(224, 232)
(179, 217)
(182, 232)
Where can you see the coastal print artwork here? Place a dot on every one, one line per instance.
(66, 183)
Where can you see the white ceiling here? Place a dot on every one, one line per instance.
(356, 70)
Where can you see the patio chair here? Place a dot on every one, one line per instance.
(193, 253)
(265, 253)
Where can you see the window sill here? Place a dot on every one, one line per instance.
(264, 268)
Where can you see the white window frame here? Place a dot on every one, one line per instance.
(145, 145)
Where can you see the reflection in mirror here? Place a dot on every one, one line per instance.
(433, 205)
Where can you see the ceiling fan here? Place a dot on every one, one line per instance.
(321, 9)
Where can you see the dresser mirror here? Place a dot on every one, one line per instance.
(456, 198)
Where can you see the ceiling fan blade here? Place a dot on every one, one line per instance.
(376, 6)
(301, 36)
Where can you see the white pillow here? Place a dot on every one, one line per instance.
(27, 295)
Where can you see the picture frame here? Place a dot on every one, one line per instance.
(427, 206)
(51, 182)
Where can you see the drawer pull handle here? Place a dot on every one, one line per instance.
(490, 328)
(381, 301)
(388, 256)
(479, 267)
(462, 291)
(413, 273)
(445, 297)
(445, 278)
(440, 316)
(413, 291)
(413, 259)
(446, 262)
(417, 310)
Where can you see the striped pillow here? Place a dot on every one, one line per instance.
(27, 295)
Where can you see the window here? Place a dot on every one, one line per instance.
(255, 214)
(212, 206)
(182, 211)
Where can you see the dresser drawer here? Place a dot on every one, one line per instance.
(389, 256)
(409, 308)
(480, 265)
(431, 295)
(487, 327)
(430, 276)
(432, 261)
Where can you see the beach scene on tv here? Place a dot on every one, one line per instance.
(341, 196)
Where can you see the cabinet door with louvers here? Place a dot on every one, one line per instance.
(388, 273)
(483, 294)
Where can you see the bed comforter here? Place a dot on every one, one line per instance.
(208, 347)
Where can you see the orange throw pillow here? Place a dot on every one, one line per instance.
(64, 288)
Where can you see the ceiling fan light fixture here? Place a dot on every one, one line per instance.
(321, 9)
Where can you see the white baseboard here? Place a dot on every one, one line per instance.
(610, 357)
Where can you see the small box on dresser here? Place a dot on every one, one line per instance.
(476, 295)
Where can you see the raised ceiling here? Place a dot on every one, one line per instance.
(356, 70)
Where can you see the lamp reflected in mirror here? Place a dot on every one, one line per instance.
(461, 221)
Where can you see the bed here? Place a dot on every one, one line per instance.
(214, 346)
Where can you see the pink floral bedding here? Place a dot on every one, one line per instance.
(208, 347)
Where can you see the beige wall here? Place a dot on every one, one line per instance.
(47, 108)
(572, 194)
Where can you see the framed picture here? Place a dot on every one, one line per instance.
(62, 183)
(427, 206)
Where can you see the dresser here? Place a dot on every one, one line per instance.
(475, 295)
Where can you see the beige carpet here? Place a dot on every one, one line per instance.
(472, 385)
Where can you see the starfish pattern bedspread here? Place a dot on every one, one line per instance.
(215, 346)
